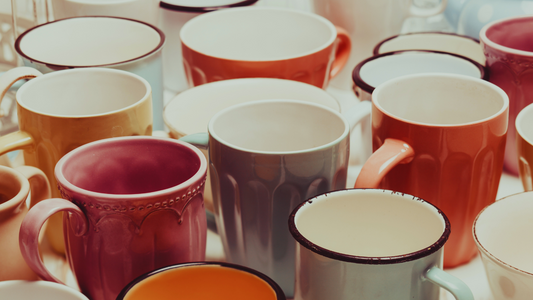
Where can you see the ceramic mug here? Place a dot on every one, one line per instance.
(63, 110)
(501, 233)
(203, 280)
(524, 146)
(263, 42)
(25, 290)
(15, 187)
(435, 41)
(134, 204)
(371, 245)
(509, 52)
(99, 41)
(174, 14)
(368, 22)
(373, 71)
(266, 157)
(440, 137)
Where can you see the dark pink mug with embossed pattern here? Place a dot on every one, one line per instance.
(134, 204)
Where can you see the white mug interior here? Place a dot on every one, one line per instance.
(89, 41)
(440, 99)
(83, 92)
(524, 124)
(278, 126)
(258, 34)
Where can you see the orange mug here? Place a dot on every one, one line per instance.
(440, 137)
(263, 42)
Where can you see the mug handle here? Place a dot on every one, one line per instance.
(17, 140)
(390, 154)
(39, 184)
(31, 227)
(342, 54)
(415, 11)
(450, 283)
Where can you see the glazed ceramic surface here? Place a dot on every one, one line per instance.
(24, 290)
(371, 245)
(501, 233)
(377, 69)
(435, 41)
(63, 110)
(440, 137)
(83, 42)
(174, 14)
(368, 22)
(203, 280)
(245, 42)
(151, 216)
(15, 186)
(524, 143)
(142, 10)
(266, 157)
(509, 51)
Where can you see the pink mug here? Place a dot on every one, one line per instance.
(134, 204)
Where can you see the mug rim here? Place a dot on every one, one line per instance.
(317, 17)
(275, 287)
(29, 83)
(336, 141)
(485, 251)
(375, 51)
(522, 114)
(198, 175)
(369, 260)
(203, 9)
(488, 42)
(495, 88)
(54, 66)
(21, 194)
(359, 82)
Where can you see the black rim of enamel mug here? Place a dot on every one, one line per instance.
(203, 9)
(277, 289)
(376, 48)
(62, 67)
(359, 82)
(368, 260)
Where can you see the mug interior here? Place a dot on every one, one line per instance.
(10, 185)
(370, 223)
(524, 124)
(503, 229)
(514, 33)
(278, 126)
(196, 281)
(440, 99)
(89, 41)
(82, 92)
(257, 34)
(130, 165)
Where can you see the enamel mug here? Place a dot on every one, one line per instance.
(43, 290)
(524, 146)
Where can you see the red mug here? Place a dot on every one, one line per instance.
(134, 204)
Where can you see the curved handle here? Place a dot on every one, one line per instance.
(450, 283)
(390, 154)
(200, 140)
(32, 224)
(415, 11)
(342, 54)
(39, 184)
(17, 140)
(357, 113)
(13, 75)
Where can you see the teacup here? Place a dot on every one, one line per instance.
(440, 137)
(371, 245)
(203, 280)
(501, 232)
(263, 41)
(134, 204)
(373, 71)
(99, 41)
(524, 146)
(28, 290)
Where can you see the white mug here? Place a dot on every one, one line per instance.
(29, 290)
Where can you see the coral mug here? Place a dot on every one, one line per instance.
(440, 137)
(134, 204)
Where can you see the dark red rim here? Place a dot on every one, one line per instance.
(386, 260)
(61, 67)
(193, 9)
(359, 82)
